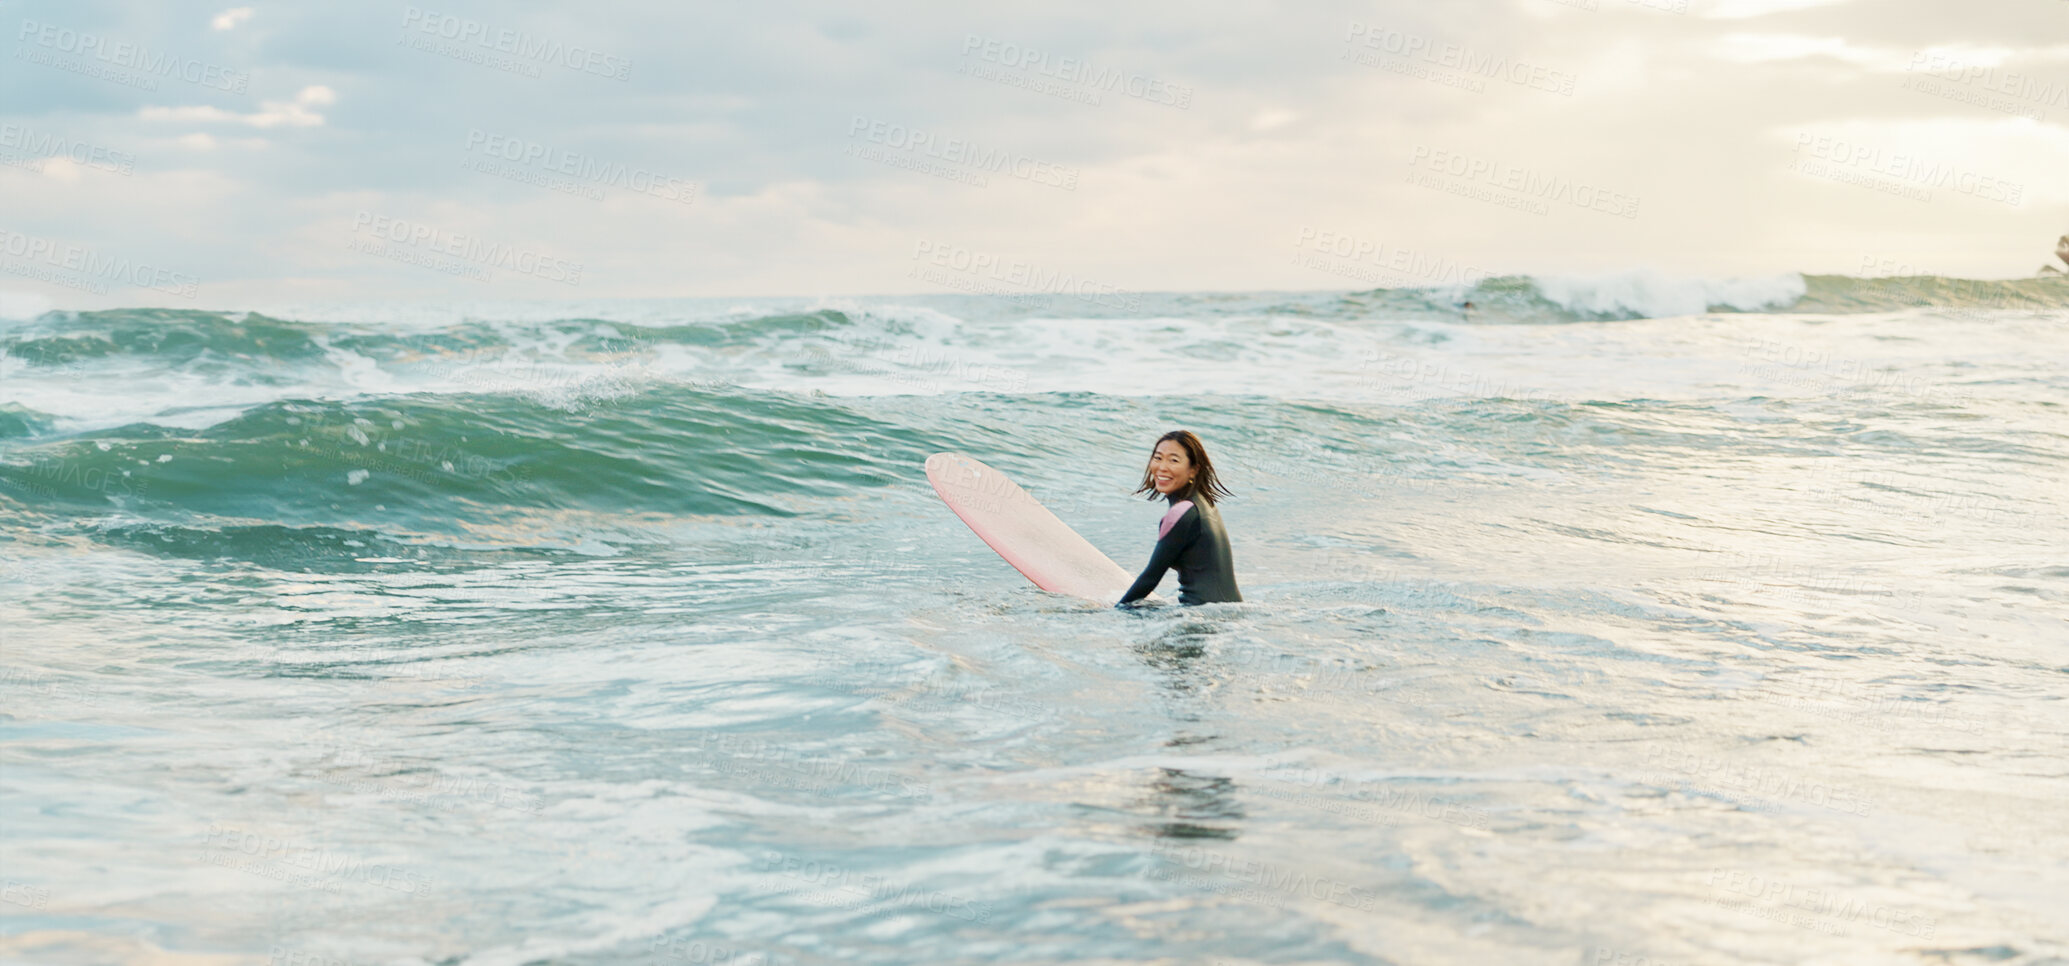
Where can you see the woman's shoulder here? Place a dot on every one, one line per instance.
(1172, 517)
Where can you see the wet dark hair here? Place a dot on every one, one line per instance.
(1205, 486)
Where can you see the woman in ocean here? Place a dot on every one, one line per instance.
(1189, 537)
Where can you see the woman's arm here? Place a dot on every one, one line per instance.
(1177, 535)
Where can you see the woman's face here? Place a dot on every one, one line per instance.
(1169, 468)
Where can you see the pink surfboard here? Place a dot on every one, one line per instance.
(1023, 531)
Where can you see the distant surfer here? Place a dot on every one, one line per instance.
(1189, 537)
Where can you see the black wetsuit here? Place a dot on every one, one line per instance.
(1190, 538)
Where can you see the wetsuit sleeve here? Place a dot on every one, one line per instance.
(1169, 546)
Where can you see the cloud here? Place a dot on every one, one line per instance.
(1766, 48)
(1746, 9)
(1273, 118)
(295, 113)
(231, 18)
(1280, 132)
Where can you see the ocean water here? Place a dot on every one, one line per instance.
(1616, 621)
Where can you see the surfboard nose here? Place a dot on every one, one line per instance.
(941, 463)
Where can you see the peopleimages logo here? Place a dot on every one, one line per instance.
(873, 888)
(516, 43)
(1205, 863)
(575, 169)
(1018, 275)
(1836, 909)
(1528, 183)
(1830, 157)
(143, 60)
(267, 855)
(1078, 71)
(2025, 87)
(467, 248)
(1459, 57)
(958, 150)
(30, 144)
(1386, 261)
(87, 266)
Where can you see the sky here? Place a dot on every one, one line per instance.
(225, 157)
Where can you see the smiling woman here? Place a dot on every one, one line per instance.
(1190, 536)
(457, 510)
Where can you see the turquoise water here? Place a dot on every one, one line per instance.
(1596, 624)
